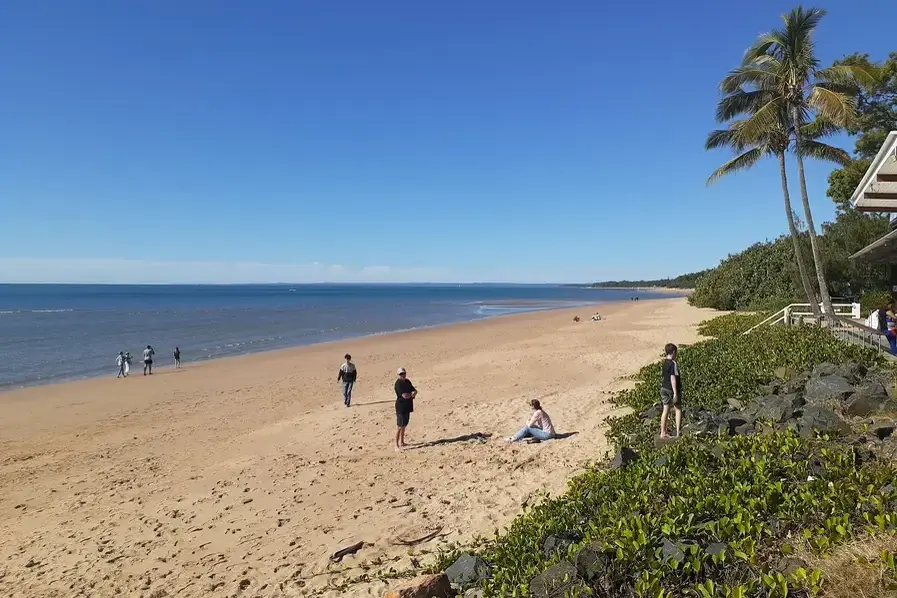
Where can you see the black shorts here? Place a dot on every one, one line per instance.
(402, 419)
(147, 362)
(666, 398)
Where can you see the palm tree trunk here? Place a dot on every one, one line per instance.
(808, 214)
(795, 237)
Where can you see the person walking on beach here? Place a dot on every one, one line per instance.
(348, 373)
(539, 425)
(120, 362)
(405, 393)
(148, 354)
(127, 364)
(670, 389)
(177, 357)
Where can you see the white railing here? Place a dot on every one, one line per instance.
(846, 324)
(801, 312)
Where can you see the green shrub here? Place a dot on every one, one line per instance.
(730, 324)
(872, 301)
(730, 367)
(755, 497)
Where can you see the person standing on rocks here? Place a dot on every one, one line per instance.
(405, 393)
(348, 373)
(670, 389)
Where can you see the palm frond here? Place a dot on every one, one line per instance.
(832, 106)
(825, 152)
(850, 75)
(819, 128)
(766, 119)
(741, 102)
(737, 164)
(749, 75)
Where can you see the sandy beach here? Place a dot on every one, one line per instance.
(242, 476)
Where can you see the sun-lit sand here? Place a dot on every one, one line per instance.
(242, 476)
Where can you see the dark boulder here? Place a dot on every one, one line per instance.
(716, 549)
(624, 457)
(558, 543)
(822, 420)
(824, 369)
(769, 389)
(591, 562)
(735, 404)
(827, 390)
(467, 569)
(557, 581)
(652, 413)
(672, 552)
(852, 372)
(882, 428)
(867, 399)
(788, 565)
(778, 408)
(743, 430)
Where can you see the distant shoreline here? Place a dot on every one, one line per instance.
(665, 290)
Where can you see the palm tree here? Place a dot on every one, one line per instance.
(780, 73)
(775, 142)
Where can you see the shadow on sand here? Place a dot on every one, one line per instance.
(475, 437)
(354, 404)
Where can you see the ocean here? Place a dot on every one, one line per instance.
(51, 333)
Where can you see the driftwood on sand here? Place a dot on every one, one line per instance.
(339, 554)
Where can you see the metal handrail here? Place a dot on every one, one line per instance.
(787, 314)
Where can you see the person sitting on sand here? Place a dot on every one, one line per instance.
(405, 393)
(539, 425)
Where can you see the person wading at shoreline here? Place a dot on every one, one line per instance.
(405, 393)
(177, 357)
(120, 362)
(148, 360)
(670, 389)
(348, 373)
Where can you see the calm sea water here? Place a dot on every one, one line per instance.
(50, 333)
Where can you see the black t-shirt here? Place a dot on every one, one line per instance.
(670, 369)
(403, 386)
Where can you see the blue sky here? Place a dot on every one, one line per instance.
(226, 141)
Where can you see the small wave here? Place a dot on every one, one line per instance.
(51, 311)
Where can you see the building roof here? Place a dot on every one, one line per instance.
(877, 192)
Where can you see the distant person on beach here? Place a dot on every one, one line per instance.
(177, 357)
(670, 389)
(539, 425)
(148, 354)
(405, 393)
(347, 375)
(120, 362)
(127, 364)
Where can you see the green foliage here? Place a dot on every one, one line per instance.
(764, 276)
(750, 498)
(762, 273)
(850, 232)
(872, 301)
(876, 116)
(730, 367)
(683, 281)
(730, 324)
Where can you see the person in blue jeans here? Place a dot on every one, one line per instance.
(347, 375)
(539, 425)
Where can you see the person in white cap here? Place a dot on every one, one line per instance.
(405, 393)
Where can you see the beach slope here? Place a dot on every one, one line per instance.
(242, 476)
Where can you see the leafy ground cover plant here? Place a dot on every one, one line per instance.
(730, 367)
(705, 516)
(730, 324)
